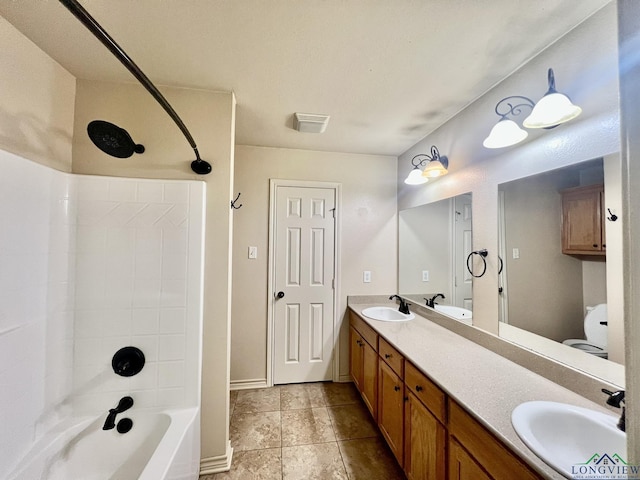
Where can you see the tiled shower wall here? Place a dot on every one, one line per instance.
(36, 303)
(138, 249)
(89, 265)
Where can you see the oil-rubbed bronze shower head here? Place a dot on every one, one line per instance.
(112, 140)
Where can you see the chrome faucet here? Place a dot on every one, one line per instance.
(616, 399)
(404, 306)
(431, 302)
(124, 404)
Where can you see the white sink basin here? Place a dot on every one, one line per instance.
(386, 314)
(570, 439)
(456, 312)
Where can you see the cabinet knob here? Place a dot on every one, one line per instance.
(595, 245)
(406, 399)
(387, 355)
(396, 388)
(419, 388)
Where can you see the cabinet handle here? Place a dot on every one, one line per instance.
(419, 388)
(406, 399)
(396, 388)
(387, 355)
(595, 245)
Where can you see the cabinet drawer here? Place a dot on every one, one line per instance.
(368, 333)
(390, 355)
(427, 391)
(487, 450)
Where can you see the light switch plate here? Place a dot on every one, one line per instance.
(253, 252)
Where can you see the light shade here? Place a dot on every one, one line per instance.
(435, 168)
(504, 134)
(415, 177)
(552, 109)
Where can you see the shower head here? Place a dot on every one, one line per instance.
(112, 139)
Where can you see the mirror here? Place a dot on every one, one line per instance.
(434, 241)
(553, 271)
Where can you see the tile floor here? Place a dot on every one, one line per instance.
(311, 431)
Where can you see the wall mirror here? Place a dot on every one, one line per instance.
(433, 243)
(561, 250)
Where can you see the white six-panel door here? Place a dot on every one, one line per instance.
(303, 264)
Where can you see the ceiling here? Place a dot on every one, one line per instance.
(388, 72)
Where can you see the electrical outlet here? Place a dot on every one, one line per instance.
(425, 275)
(253, 252)
(366, 276)
(516, 253)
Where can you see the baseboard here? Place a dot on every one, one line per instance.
(221, 463)
(248, 384)
(344, 378)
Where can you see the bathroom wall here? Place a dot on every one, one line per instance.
(368, 241)
(36, 102)
(210, 117)
(36, 303)
(585, 65)
(138, 276)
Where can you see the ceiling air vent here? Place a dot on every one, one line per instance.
(310, 122)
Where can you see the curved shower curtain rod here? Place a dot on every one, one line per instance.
(198, 165)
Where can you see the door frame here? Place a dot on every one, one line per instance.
(337, 188)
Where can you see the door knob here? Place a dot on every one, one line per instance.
(280, 294)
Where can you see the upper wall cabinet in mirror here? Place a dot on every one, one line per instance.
(434, 240)
(560, 242)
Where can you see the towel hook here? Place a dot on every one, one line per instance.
(233, 202)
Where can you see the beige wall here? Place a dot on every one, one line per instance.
(36, 102)
(210, 119)
(368, 240)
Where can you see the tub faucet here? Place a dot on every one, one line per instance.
(616, 399)
(404, 306)
(431, 302)
(124, 404)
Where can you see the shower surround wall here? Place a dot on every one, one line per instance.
(36, 303)
(138, 259)
(89, 265)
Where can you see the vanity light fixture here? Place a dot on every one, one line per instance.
(551, 110)
(507, 132)
(435, 166)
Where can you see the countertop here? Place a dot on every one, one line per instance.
(486, 384)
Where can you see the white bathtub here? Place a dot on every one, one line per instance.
(161, 446)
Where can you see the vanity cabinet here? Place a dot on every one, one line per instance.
(364, 369)
(462, 466)
(363, 362)
(473, 449)
(431, 436)
(391, 409)
(424, 441)
(583, 227)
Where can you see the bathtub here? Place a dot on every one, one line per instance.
(162, 445)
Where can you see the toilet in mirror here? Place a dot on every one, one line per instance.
(560, 290)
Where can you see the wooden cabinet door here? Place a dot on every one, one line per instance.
(582, 220)
(424, 442)
(390, 409)
(369, 390)
(462, 466)
(355, 358)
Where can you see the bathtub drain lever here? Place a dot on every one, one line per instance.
(124, 404)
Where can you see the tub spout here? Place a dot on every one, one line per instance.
(124, 404)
